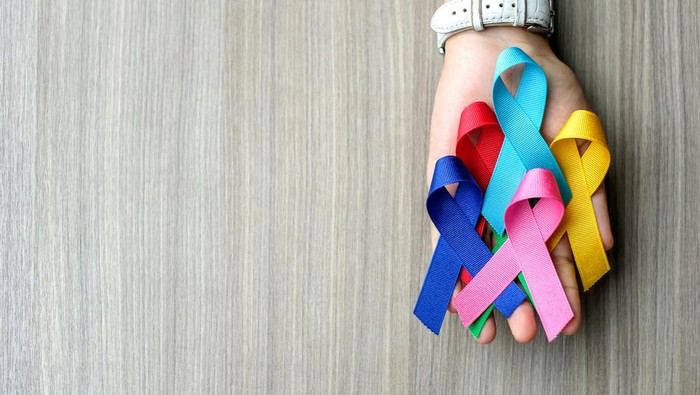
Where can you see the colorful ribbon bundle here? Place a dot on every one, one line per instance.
(502, 165)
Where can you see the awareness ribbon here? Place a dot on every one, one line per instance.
(459, 245)
(524, 148)
(481, 158)
(584, 174)
(525, 251)
(478, 123)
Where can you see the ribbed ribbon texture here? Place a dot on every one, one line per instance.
(584, 173)
(459, 244)
(524, 148)
(525, 251)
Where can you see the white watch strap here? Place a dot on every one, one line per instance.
(460, 15)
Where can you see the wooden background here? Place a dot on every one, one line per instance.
(228, 196)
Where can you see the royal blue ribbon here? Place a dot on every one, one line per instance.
(459, 244)
(523, 147)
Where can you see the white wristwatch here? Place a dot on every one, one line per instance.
(460, 15)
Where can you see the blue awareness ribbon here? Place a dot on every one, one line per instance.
(459, 244)
(523, 147)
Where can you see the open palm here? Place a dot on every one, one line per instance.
(467, 77)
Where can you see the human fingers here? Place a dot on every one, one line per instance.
(600, 207)
(522, 323)
(566, 270)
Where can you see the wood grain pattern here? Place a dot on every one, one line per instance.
(216, 197)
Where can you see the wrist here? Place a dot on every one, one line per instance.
(471, 45)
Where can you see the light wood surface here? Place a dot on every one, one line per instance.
(228, 197)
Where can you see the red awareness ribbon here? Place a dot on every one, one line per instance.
(479, 141)
(525, 251)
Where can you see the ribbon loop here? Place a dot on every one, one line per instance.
(525, 251)
(459, 245)
(585, 174)
(479, 141)
(524, 148)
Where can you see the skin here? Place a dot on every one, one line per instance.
(466, 77)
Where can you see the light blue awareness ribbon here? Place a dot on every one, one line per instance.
(523, 147)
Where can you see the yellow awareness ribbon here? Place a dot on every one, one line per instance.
(584, 173)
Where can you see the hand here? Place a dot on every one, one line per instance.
(466, 77)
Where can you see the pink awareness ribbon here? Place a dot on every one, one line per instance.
(525, 251)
